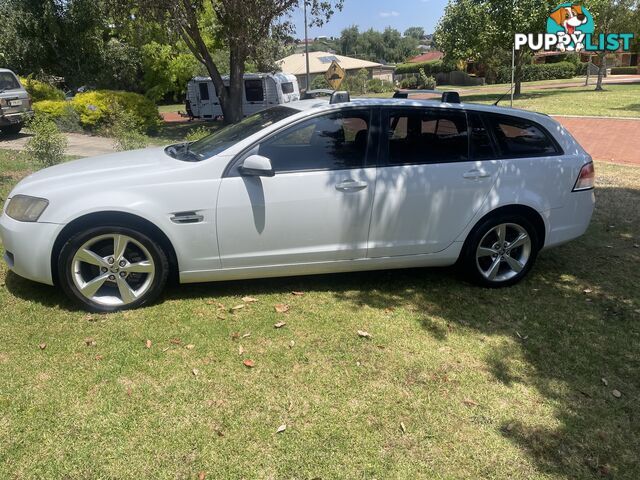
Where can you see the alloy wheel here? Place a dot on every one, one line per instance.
(503, 252)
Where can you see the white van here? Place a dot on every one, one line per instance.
(261, 91)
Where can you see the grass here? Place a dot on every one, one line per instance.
(614, 101)
(174, 107)
(456, 381)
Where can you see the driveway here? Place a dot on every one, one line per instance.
(79, 144)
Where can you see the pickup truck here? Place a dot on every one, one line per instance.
(15, 103)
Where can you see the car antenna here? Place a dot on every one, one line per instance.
(501, 97)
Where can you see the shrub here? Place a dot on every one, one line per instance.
(61, 112)
(126, 131)
(319, 83)
(430, 68)
(539, 71)
(51, 108)
(409, 83)
(375, 85)
(425, 81)
(197, 134)
(47, 145)
(97, 108)
(624, 70)
(40, 90)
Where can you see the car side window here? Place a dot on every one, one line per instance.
(481, 145)
(418, 136)
(330, 142)
(521, 138)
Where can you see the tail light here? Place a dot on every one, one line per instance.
(586, 178)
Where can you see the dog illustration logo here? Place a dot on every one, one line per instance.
(572, 20)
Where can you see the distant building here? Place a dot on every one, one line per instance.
(319, 63)
(428, 57)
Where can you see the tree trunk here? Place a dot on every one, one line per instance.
(232, 104)
(602, 68)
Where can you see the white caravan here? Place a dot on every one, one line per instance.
(261, 91)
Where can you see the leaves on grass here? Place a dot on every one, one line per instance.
(202, 476)
(470, 403)
(99, 357)
(235, 335)
(237, 307)
(605, 382)
(297, 294)
(292, 344)
(248, 363)
(175, 341)
(616, 393)
(246, 335)
(282, 308)
(195, 372)
(190, 347)
(364, 334)
(90, 342)
(281, 428)
(587, 291)
(42, 346)
(249, 299)
(403, 427)
(147, 344)
(280, 324)
(240, 350)
(526, 337)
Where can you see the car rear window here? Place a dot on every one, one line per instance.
(517, 137)
(8, 81)
(287, 87)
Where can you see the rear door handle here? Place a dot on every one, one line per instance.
(476, 174)
(351, 186)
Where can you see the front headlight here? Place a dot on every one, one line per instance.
(26, 209)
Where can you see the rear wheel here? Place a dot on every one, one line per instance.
(501, 251)
(12, 129)
(107, 269)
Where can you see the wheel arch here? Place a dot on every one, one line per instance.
(529, 213)
(121, 219)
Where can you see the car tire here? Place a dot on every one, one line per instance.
(112, 268)
(500, 251)
(12, 129)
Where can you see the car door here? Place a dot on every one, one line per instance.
(317, 206)
(431, 183)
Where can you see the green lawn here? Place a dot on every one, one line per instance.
(456, 381)
(614, 101)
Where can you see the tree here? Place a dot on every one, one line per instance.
(415, 32)
(349, 40)
(241, 26)
(490, 26)
(610, 16)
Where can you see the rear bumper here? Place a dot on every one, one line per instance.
(572, 220)
(7, 119)
(28, 247)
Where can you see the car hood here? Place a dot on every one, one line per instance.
(119, 168)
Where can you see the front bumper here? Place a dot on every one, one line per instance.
(7, 119)
(28, 247)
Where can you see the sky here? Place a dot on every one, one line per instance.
(377, 14)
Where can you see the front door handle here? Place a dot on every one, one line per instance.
(476, 174)
(351, 186)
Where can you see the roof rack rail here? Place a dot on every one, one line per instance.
(447, 96)
(337, 96)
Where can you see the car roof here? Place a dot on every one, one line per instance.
(323, 103)
(3, 70)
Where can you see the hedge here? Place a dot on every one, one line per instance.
(40, 91)
(96, 108)
(538, 71)
(430, 68)
(624, 70)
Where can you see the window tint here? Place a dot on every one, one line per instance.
(481, 144)
(521, 138)
(330, 142)
(253, 89)
(8, 81)
(204, 91)
(427, 136)
(287, 87)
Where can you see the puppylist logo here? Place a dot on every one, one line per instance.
(570, 27)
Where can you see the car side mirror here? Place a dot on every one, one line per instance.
(257, 166)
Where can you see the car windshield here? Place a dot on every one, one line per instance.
(231, 134)
(8, 81)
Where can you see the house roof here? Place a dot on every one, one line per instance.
(319, 62)
(428, 57)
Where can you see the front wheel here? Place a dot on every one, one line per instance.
(107, 269)
(501, 251)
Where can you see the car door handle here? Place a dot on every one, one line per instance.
(476, 174)
(351, 186)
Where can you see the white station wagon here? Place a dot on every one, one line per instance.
(317, 186)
